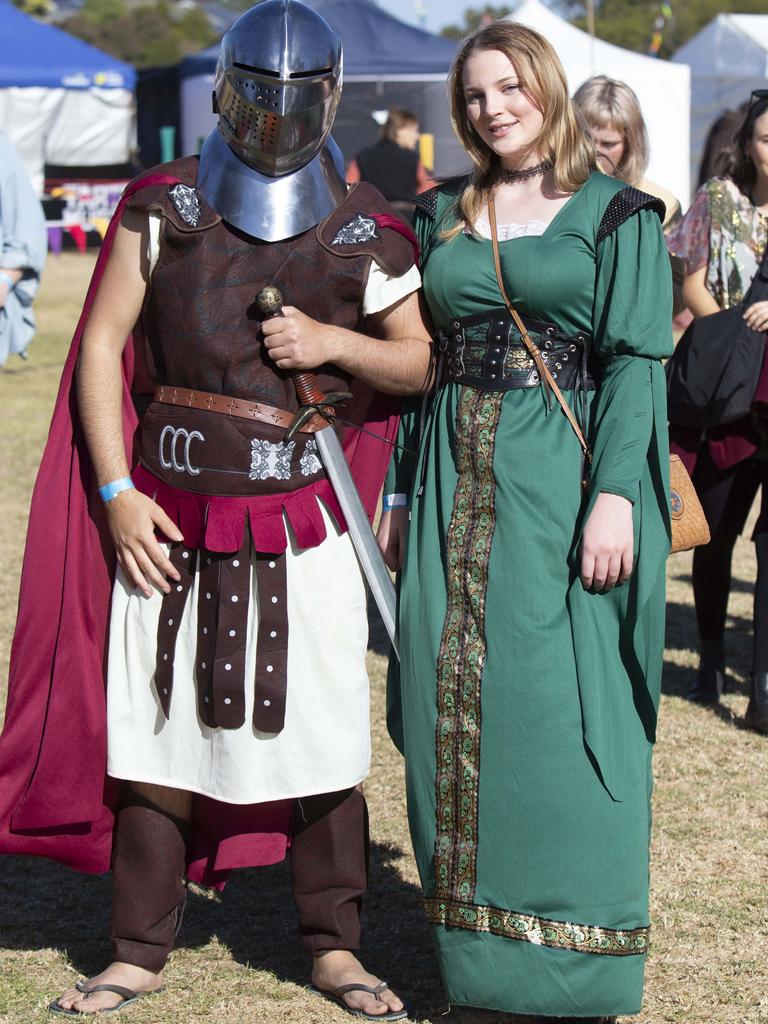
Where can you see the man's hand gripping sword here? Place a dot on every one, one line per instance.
(314, 402)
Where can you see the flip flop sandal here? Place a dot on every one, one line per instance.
(127, 996)
(336, 995)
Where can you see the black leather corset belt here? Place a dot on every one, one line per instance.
(485, 351)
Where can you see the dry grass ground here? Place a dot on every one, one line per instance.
(238, 958)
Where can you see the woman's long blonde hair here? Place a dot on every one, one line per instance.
(607, 103)
(561, 140)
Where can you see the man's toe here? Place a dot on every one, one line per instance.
(393, 1002)
(67, 998)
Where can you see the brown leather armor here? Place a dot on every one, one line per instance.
(202, 327)
(202, 330)
(201, 319)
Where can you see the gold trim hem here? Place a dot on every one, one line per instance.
(540, 931)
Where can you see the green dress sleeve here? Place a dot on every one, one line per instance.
(402, 466)
(632, 322)
(628, 432)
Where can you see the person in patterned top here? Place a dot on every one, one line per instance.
(722, 238)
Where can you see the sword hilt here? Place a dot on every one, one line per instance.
(308, 391)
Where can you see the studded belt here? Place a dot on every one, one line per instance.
(246, 410)
(485, 351)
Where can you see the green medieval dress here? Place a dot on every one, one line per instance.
(526, 706)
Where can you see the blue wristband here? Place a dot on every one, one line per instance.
(110, 491)
(391, 501)
(8, 280)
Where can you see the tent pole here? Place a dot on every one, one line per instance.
(590, 6)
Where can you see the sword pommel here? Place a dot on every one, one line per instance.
(270, 301)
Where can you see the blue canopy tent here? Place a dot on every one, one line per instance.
(62, 101)
(387, 63)
(35, 54)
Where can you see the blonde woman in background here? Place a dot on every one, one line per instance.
(615, 121)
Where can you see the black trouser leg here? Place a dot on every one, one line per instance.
(726, 496)
(148, 892)
(329, 864)
(760, 638)
(757, 711)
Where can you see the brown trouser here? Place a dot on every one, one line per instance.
(329, 861)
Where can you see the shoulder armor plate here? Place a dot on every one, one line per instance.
(623, 205)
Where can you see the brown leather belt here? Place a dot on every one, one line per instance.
(235, 407)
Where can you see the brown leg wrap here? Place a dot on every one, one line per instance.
(329, 864)
(148, 893)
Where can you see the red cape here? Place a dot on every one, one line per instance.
(55, 798)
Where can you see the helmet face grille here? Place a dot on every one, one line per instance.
(278, 84)
(250, 123)
(259, 92)
(275, 126)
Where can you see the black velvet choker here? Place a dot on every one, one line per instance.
(527, 173)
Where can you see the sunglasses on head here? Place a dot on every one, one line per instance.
(756, 96)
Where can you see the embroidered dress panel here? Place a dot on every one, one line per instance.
(461, 656)
(582, 938)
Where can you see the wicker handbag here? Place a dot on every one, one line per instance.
(689, 524)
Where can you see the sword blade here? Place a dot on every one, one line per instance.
(363, 540)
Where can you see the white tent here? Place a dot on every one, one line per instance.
(728, 58)
(61, 100)
(663, 89)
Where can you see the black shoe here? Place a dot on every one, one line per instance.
(757, 709)
(708, 686)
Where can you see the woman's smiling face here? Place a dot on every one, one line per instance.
(498, 109)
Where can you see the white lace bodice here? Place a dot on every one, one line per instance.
(511, 230)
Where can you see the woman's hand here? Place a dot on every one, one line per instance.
(133, 519)
(607, 543)
(392, 535)
(756, 316)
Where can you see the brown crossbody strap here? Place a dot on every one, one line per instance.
(533, 349)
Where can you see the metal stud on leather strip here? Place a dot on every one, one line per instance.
(231, 630)
(171, 610)
(207, 605)
(272, 644)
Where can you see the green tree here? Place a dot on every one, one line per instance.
(37, 8)
(144, 34)
(474, 18)
(631, 24)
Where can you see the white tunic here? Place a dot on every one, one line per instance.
(325, 743)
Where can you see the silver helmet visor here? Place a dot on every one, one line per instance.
(274, 125)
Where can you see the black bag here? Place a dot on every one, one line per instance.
(713, 373)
